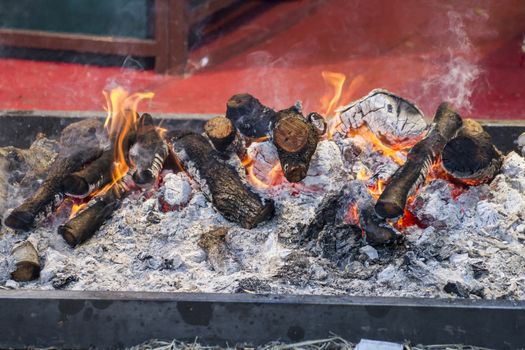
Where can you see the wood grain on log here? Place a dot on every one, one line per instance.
(220, 182)
(27, 262)
(296, 141)
(392, 201)
(221, 132)
(471, 157)
(250, 116)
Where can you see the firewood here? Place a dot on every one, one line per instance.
(89, 219)
(224, 136)
(27, 262)
(296, 140)
(3, 186)
(49, 194)
(392, 201)
(220, 182)
(93, 176)
(149, 152)
(250, 116)
(219, 254)
(376, 230)
(471, 157)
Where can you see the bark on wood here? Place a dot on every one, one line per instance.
(250, 116)
(88, 220)
(95, 175)
(296, 140)
(27, 262)
(149, 152)
(225, 137)
(471, 157)
(49, 193)
(221, 183)
(392, 201)
(219, 254)
(3, 186)
(377, 231)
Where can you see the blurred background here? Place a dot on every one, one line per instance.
(195, 54)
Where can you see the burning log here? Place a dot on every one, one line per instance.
(27, 262)
(73, 155)
(149, 151)
(394, 120)
(250, 116)
(471, 157)
(88, 220)
(219, 255)
(392, 201)
(296, 140)
(224, 136)
(221, 183)
(376, 230)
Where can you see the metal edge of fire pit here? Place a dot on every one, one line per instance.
(118, 319)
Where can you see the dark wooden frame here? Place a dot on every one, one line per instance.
(169, 46)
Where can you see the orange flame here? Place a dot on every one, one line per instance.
(120, 121)
(364, 132)
(275, 176)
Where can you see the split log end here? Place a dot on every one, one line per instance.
(27, 262)
(221, 132)
(75, 185)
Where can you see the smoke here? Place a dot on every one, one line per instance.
(457, 83)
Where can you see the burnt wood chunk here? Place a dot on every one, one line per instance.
(89, 219)
(296, 141)
(221, 132)
(392, 201)
(95, 175)
(26, 261)
(318, 121)
(149, 152)
(471, 157)
(250, 116)
(219, 254)
(221, 183)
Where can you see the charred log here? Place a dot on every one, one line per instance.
(95, 175)
(219, 254)
(221, 183)
(471, 157)
(250, 116)
(296, 140)
(27, 262)
(50, 192)
(149, 152)
(318, 121)
(224, 136)
(377, 231)
(3, 186)
(87, 221)
(392, 201)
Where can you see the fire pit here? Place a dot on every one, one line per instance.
(371, 201)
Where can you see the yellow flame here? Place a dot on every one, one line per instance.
(120, 121)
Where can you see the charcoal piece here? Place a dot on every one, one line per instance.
(457, 289)
(219, 254)
(249, 116)
(408, 177)
(27, 262)
(471, 157)
(89, 219)
(296, 141)
(221, 183)
(253, 285)
(62, 282)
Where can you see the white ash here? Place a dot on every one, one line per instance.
(176, 190)
(473, 248)
(521, 143)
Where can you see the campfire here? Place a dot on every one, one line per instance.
(329, 201)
